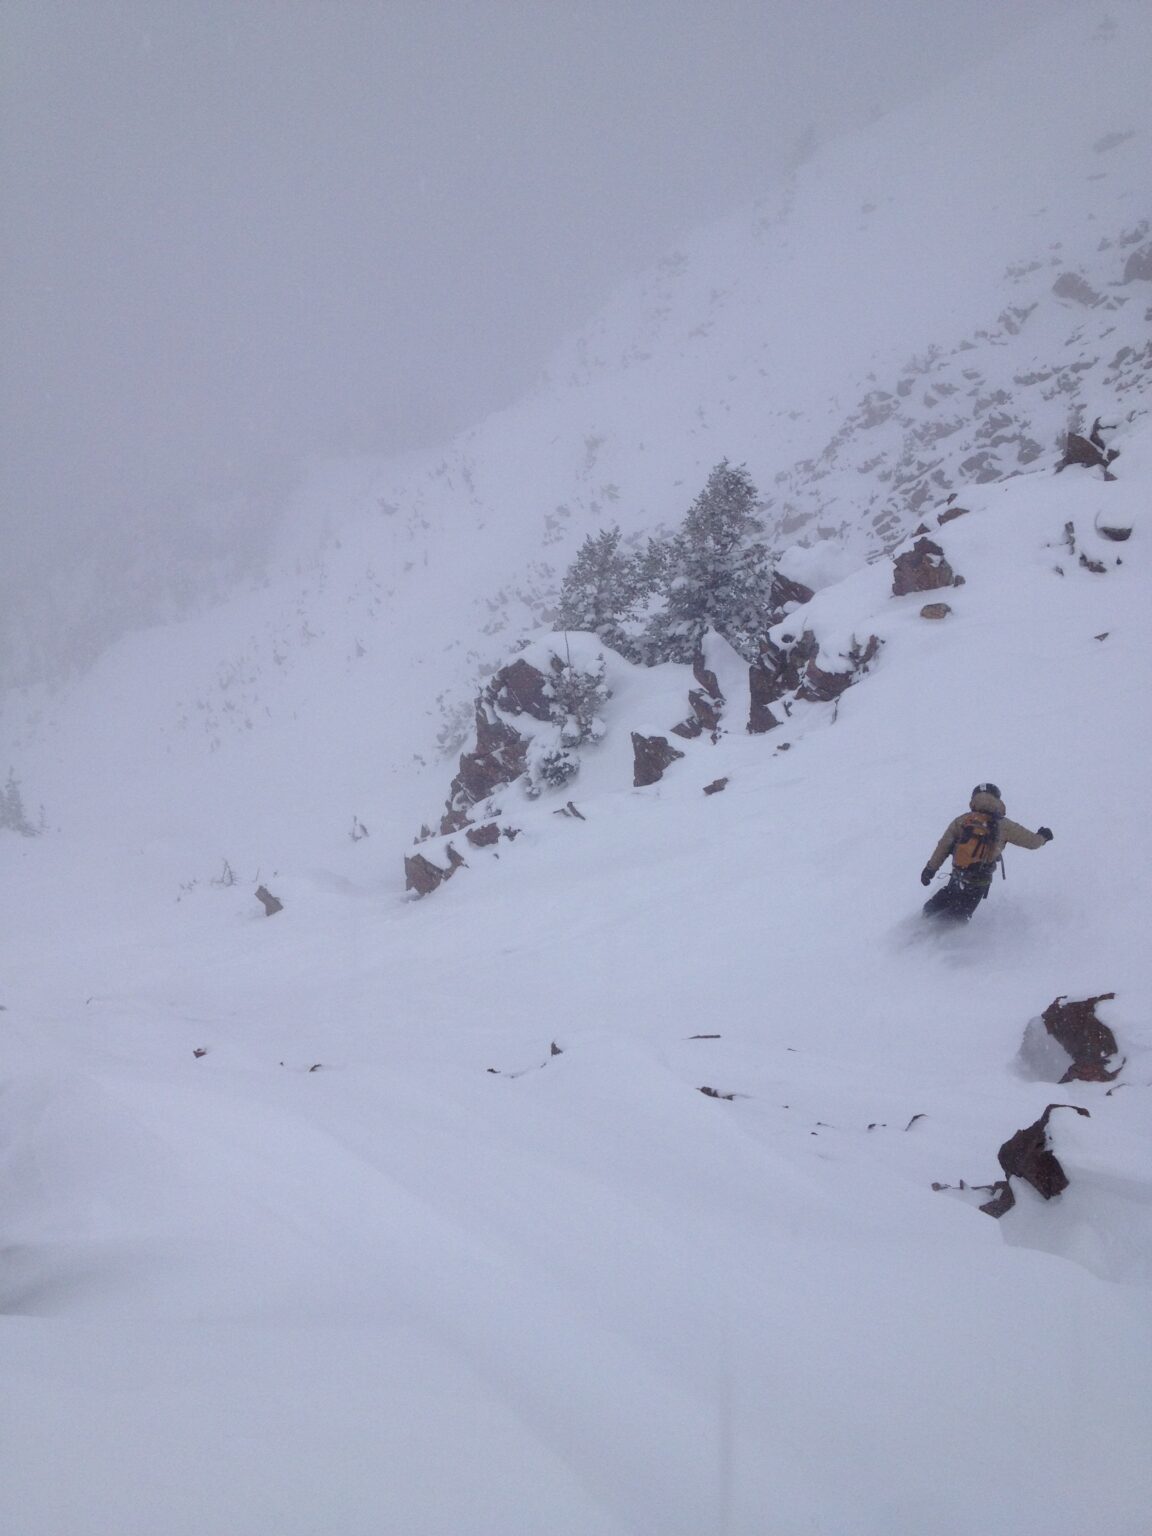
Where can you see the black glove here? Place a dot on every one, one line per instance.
(927, 875)
(1045, 833)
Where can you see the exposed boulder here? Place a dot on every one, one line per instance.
(1089, 452)
(716, 786)
(652, 754)
(1028, 1156)
(522, 689)
(485, 836)
(1118, 533)
(1089, 1042)
(922, 568)
(935, 611)
(271, 904)
(422, 876)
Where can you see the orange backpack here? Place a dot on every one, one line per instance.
(976, 840)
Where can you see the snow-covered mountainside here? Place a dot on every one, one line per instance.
(630, 1182)
(928, 304)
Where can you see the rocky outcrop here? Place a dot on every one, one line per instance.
(652, 755)
(1028, 1156)
(1071, 286)
(716, 786)
(922, 568)
(706, 703)
(501, 751)
(762, 694)
(498, 757)
(935, 611)
(792, 671)
(819, 686)
(783, 593)
(1087, 1040)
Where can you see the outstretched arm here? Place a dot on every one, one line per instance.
(1013, 832)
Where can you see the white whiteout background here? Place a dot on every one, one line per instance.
(337, 1276)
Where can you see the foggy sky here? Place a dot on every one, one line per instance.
(238, 233)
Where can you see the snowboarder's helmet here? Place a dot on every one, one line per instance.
(987, 789)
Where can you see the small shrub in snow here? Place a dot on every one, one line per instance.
(576, 700)
(12, 813)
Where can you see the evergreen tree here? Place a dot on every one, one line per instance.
(600, 590)
(719, 575)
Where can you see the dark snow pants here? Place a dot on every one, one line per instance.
(960, 897)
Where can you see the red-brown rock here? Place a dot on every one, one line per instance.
(498, 758)
(485, 836)
(935, 611)
(520, 689)
(784, 590)
(922, 568)
(1090, 1043)
(1028, 1156)
(652, 755)
(422, 876)
(949, 513)
(762, 694)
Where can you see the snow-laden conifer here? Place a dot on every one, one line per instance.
(602, 591)
(718, 575)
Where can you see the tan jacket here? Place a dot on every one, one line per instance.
(1010, 832)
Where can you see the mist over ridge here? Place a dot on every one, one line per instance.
(244, 237)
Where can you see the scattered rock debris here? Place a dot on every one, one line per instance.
(272, 904)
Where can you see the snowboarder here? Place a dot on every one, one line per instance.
(975, 840)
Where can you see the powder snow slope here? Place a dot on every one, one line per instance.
(378, 1261)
